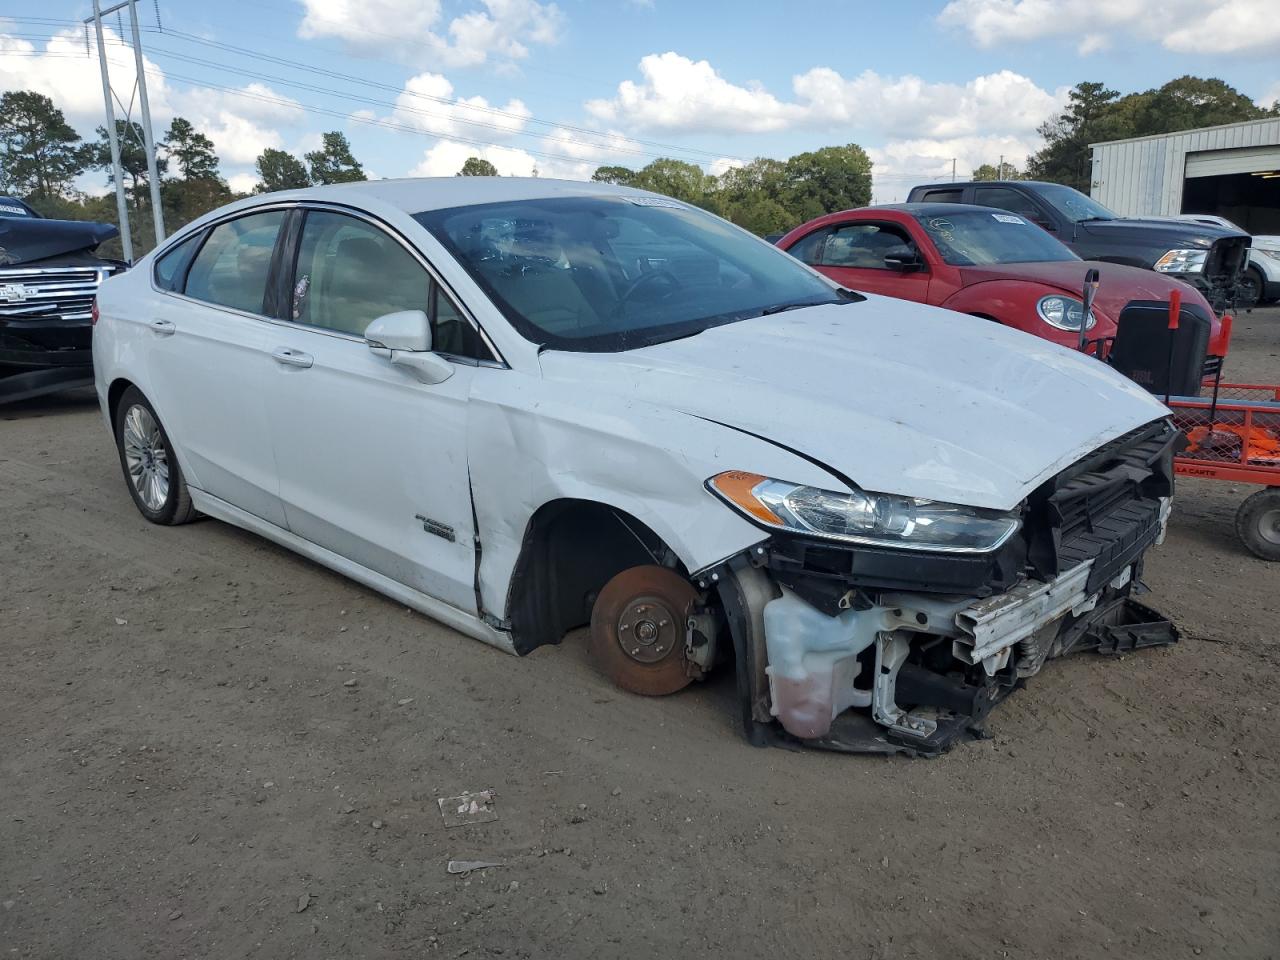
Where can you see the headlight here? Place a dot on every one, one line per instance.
(879, 519)
(1182, 261)
(1063, 313)
(1273, 254)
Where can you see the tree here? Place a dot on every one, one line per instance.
(333, 162)
(191, 151)
(675, 178)
(40, 155)
(1190, 102)
(133, 158)
(827, 180)
(621, 176)
(477, 167)
(990, 171)
(278, 170)
(1087, 119)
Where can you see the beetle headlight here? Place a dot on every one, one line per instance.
(879, 519)
(1182, 261)
(1063, 313)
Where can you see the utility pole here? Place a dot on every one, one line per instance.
(122, 206)
(153, 174)
(953, 169)
(148, 140)
(1000, 169)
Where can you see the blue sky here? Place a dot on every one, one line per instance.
(418, 85)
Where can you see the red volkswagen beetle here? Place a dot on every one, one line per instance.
(982, 261)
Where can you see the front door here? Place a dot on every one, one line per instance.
(372, 463)
(854, 255)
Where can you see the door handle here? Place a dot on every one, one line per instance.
(163, 328)
(290, 357)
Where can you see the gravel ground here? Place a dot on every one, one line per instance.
(214, 748)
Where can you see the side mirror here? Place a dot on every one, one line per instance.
(903, 259)
(404, 338)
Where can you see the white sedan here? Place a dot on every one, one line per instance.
(523, 406)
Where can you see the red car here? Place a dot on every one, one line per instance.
(981, 261)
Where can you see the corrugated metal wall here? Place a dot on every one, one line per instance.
(1145, 176)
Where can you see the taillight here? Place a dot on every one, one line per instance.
(93, 313)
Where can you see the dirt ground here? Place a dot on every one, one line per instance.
(214, 748)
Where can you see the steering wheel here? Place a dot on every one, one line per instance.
(665, 277)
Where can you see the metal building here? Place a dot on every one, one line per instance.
(1232, 171)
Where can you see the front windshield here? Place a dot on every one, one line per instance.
(1073, 204)
(614, 273)
(976, 237)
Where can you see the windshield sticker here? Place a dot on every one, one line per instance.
(656, 202)
(1008, 218)
(12, 211)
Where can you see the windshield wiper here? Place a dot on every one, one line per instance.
(846, 296)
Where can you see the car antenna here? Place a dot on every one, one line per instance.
(1091, 280)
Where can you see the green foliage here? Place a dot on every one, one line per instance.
(765, 195)
(278, 170)
(40, 155)
(477, 167)
(621, 176)
(1095, 114)
(333, 162)
(191, 151)
(991, 171)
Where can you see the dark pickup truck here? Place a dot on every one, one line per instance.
(1210, 258)
(49, 275)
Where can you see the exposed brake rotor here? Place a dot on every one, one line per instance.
(638, 630)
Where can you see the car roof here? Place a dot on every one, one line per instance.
(419, 194)
(957, 184)
(933, 209)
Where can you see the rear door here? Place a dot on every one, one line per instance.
(373, 463)
(206, 358)
(854, 255)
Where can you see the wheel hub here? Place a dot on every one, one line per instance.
(146, 457)
(1269, 526)
(647, 630)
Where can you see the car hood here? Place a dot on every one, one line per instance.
(1156, 231)
(895, 396)
(24, 240)
(1117, 286)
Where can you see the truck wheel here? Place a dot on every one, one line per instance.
(1252, 283)
(1258, 523)
(638, 630)
(151, 470)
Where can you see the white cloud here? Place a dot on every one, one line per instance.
(677, 93)
(1183, 26)
(1271, 96)
(901, 164)
(908, 106)
(240, 124)
(414, 31)
(62, 71)
(427, 103)
(446, 158)
(724, 164)
(243, 182)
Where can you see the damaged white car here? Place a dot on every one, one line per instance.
(522, 406)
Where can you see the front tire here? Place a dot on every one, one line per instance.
(1252, 285)
(151, 470)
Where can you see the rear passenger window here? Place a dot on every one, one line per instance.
(942, 196)
(232, 267)
(171, 266)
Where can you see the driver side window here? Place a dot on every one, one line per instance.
(349, 273)
(863, 246)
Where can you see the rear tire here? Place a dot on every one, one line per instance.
(1258, 523)
(150, 466)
